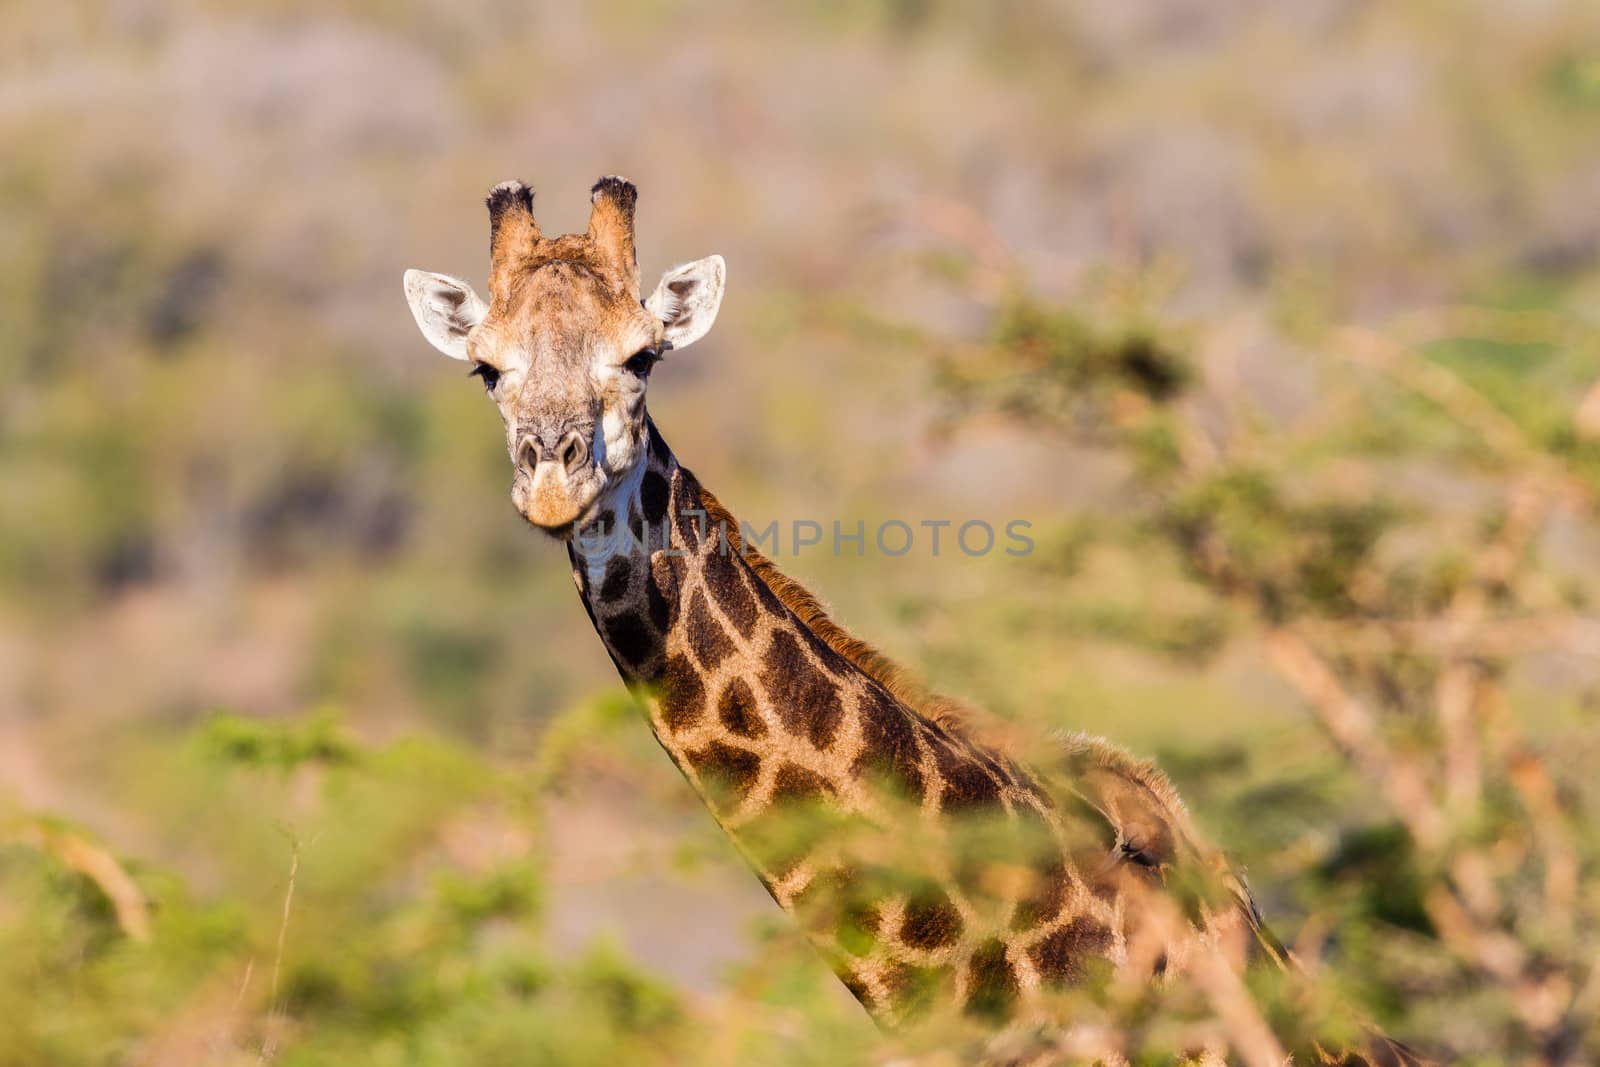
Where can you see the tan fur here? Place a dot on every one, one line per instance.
(563, 314)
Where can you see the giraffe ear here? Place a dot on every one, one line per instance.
(688, 298)
(446, 310)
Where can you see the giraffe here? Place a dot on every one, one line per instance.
(932, 871)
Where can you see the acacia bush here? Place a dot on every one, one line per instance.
(1456, 905)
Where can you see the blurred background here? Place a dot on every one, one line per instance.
(1280, 322)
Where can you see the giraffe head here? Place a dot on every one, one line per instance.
(564, 345)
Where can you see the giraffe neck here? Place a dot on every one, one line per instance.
(766, 719)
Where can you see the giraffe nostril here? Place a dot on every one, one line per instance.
(528, 454)
(573, 451)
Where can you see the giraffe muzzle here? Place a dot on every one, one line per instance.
(557, 481)
(570, 452)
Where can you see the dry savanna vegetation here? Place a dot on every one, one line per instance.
(1278, 322)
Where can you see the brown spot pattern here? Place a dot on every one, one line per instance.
(653, 497)
(805, 700)
(615, 585)
(794, 783)
(889, 745)
(630, 637)
(683, 696)
(992, 983)
(967, 787)
(931, 921)
(690, 518)
(770, 604)
(728, 773)
(733, 596)
(658, 444)
(736, 708)
(1062, 958)
(709, 640)
(857, 986)
(798, 673)
(831, 661)
(659, 607)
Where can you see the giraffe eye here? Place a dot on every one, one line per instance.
(640, 362)
(490, 376)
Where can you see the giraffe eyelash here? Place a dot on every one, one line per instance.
(640, 362)
(489, 375)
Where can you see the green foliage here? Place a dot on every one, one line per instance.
(284, 746)
(1377, 867)
(1046, 362)
(1301, 557)
(1059, 347)
(449, 967)
(1344, 579)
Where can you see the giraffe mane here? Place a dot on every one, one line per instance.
(1078, 752)
(949, 713)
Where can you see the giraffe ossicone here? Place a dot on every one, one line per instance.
(928, 868)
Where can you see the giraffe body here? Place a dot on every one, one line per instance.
(931, 871)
